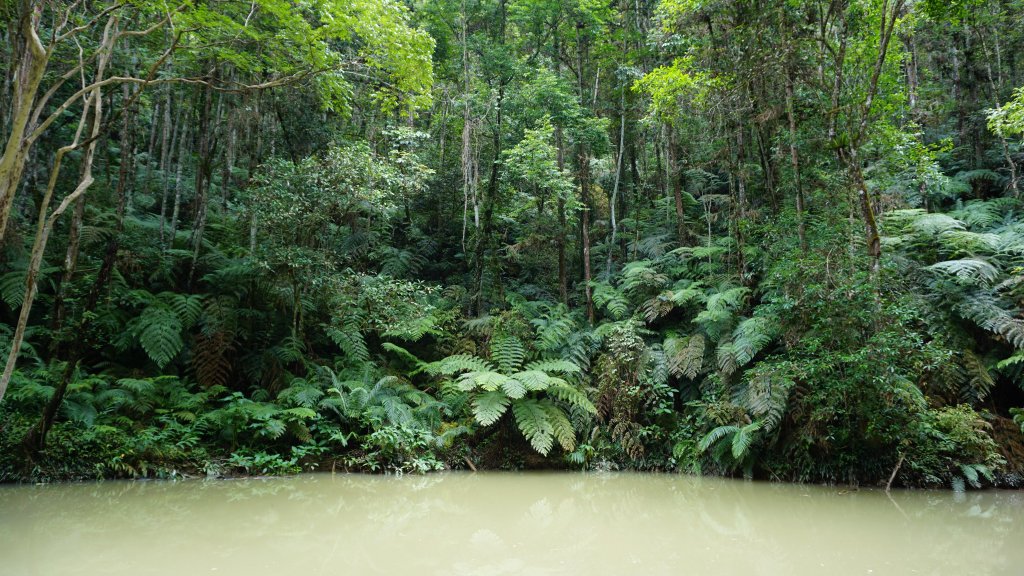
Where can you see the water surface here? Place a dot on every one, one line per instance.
(496, 524)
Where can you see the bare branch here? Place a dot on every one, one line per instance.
(85, 26)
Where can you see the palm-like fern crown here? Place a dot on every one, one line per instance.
(538, 392)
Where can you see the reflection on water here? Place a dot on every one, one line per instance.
(493, 524)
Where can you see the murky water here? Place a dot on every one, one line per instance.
(489, 524)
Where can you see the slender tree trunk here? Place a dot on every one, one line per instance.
(673, 175)
(794, 158)
(584, 175)
(176, 145)
(183, 154)
(485, 230)
(204, 170)
(618, 176)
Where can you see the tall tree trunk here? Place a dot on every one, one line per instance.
(204, 170)
(673, 176)
(183, 154)
(487, 225)
(563, 275)
(613, 200)
(584, 176)
(794, 158)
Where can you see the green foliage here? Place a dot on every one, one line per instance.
(537, 397)
(298, 267)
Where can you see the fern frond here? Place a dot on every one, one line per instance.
(513, 388)
(159, 332)
(743, 439)
(560, 366)
(12, 288)
(489, 407)
(457, 363)
(933, 224)
(979, 214)
(535, 424)
(188, 307)
(210, 360)
(974, 270)
(349, 339)
(413, 329)
(690, 292)
(685, 355)
(291, 349)
(712, 437)
(751, 336)
(508, 352)
(979, 382)
(575, 398)
(728, 361)
(533, 380)
(641, 276)
(487, 380)
(657, 307)
(966, 242)
(301, 393)
(405, 355)
(561, 427)
(611, 300)
(483, 325)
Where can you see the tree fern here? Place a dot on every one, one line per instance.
(719, 312)
(529, 390)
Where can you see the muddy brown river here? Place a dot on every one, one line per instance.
(503, 523)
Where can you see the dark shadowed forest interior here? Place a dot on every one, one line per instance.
(771, 239)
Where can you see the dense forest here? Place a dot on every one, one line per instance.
(763, 238)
